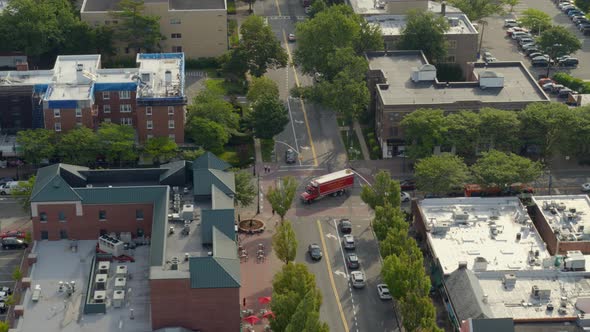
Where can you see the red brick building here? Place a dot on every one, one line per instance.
(195, 276)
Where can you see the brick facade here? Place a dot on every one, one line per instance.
(68, 118)
(554, 246)
(119, 218)
(175, 303)
(162, 119)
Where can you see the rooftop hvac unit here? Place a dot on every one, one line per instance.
(118, 298)
(121, 271)
(111, 245)
(120, 283)
(441, 228)
(188, 211)
(509, 281)
(461, 216)
(103, 267)
(101, 282)
(100, 296)
(563, 302)
(562, 311)
(480, 264)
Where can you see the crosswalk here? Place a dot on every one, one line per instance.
(196, 74)
(298, 18)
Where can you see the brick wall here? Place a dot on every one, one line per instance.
(112, 99)
(160, 117)
(68, 119)
(119, 218)
(419, 224)
(174, 303)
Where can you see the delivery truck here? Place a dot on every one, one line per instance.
(334, 184)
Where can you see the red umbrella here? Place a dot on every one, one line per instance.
(252, 319)
(264, 299)
(269, 314)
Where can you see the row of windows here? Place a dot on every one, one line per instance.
(148, 110)
(150, 124)
(123, 108)
(57, 112)
(106, 95)
(171, 136)
(102, 215)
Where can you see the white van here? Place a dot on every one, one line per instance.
(6, 189)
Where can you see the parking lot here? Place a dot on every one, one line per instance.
(505, 49)
(9, 261)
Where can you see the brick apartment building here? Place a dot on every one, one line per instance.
(194, 278)
(77, 92)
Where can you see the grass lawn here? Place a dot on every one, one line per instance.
(239, 156)
(354, 153)
(267, 146)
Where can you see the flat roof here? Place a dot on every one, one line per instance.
(173, 5)
(393, 25)
(57, 312)
(372, 7)
(161, 74)
(397, 67)
(567, 215)
(178, 244)
(467, 228)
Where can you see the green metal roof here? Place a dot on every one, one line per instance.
(204, 178)
(222, 270)
(221, 219)
(172, 168)
(209, 160)
(219, 200)
(51, 187)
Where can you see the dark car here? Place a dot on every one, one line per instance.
(409, 184)
(290, 156)
(569, 62)
(314, 252)
(345, 226)
(352, 261)
(13, 243)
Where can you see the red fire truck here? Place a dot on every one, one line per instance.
(334, 184)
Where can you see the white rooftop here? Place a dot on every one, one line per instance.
(568, 215)
(466, 228)
(393, 25)
(56, 312)
(163, 76)
(376, 7)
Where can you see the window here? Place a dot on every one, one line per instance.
(170, 110)
(125, 108)
(44, 235)
(139, 214)
(148, 110)
(78, 112)
(43, 217)
(452, 44)
(174, 21)
(102, 215)
(106, 95)
(126, 121)
(170, 124)
(63, 234)
(177, 49)
(176, 36)
(150, 124)
(126, 50)
(61, 216)
(106, 108)
(450, 59)
(56, 113)
(124, 94)
(57, 126)
(107, 120)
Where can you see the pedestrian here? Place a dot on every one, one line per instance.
(273, 212)
(244, 302)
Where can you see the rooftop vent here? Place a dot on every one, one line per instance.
(424, 73)
(383, 86)
(491, 79)
(462, 265)
(480, 264)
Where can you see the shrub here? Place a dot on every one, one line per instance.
(571, 82)
(231, 7)
(201, 63)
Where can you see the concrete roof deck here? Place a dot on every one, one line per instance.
(156, 67)
(393, 25)
(568, 215)
(397, 67)
(56, 312)
(368, 7)
(28, 77)
(464, 241)
(178, 5)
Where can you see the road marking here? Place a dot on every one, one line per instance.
(332, 236)
(331, 276)
(340, 273)
(315, 158)
(293, 128)
(278, 8)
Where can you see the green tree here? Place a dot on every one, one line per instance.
(36, 144)
(440, 174)
(425, 31)
(463, 132)
(161, 149)
(84, 39)
(269, 117)
(511, 4)
(545, 125)
(424, 129)
(346, 59)
(404, 274)
(210, 105)
(384, 191)
(498, 129)
(307, 316)
(23, 192)
(234, 65)
(193, 154)
(4, 327)
(535, 20)
(245, 191)
(17, 274)
(78, 146)
(584, 5)
(206, 133)
(259, 46)
(284, 242)
(117, 142)
(261, 86)
(138, 30)
(476, 10)
(281, 195)
(558, 41)
(331, 29)
(386, 218)
(397, 242)
(418, 313)
(501, 169)
(577, 142)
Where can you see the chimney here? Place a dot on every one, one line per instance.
(22, 66)
(443, 8)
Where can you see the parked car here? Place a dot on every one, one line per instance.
(352, 261)
(6, 189)
(535, 54)
(514, 30)
(491, 59)
(315, 253)
(527, 47)
(348, 242)
(510, 23)
(292, 37)
(532, 50)
(409, 184)
(583, 26)
(17, 234)
(574, 12)
(13, 243)
(345, 226)
(586, 187)
(487, 55)
(521, 34)
(552, 87)
(545, 80)
(569, 62)
(357, 278)
(540, 61)
(290, 156)
(383, 292)
(405, 197)
(565, 92)
(6, 290)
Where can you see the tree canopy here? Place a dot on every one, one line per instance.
(259, 48)
(281, 196)
(260, 86)
(558, 41)
(208, 134)
(117, 142)
(384, 191)
(78, 146)
(161, 149)
(419, 313)
(37, 144)
(478, 9)
(284, 242)
(425, 31)
(209, 104)
(535, 20)
(424, 130)
(387, 217)
(441, 174)
(245, 191)
(546, 125)
(404, 274)
(138, 30)
(501, 169)
(269, 116)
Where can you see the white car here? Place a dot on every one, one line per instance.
(510, 23)
(348, 241)
(357, 278)
(405, 197)
(586, 187)
(383, 291)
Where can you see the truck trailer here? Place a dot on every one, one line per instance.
(334, 184)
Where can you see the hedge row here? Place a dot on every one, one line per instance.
(571, 82)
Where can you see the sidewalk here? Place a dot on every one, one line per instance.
(362, 142)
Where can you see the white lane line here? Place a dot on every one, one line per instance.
(299, 157)
(331, 236)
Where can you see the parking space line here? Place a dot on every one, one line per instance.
(331, 276)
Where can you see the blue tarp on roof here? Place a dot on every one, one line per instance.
(40, 88)
(161, 56)
(62, 104)
(128, 86)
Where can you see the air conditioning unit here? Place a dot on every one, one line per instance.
(118, 298)
(101, 282)
(121, 271)
(103, 267)
(100, 296)
(120, 283)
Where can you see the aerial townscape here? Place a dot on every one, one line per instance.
(294, 165)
